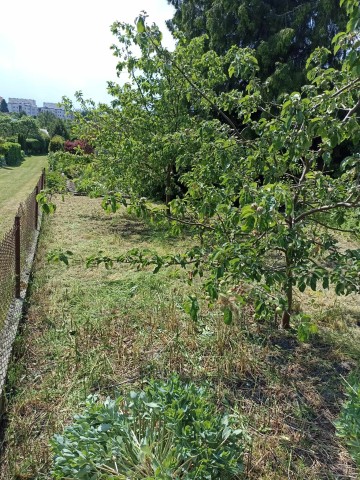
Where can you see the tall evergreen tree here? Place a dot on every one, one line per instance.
(283, 32)
(58, 127)
(46, 119)
(3, 106)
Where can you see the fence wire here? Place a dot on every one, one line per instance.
(10, 283)
(7, 273)
(27, 212)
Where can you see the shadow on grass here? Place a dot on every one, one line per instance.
(132, 229)
(6, 167)
(12, 166)
(301, 388)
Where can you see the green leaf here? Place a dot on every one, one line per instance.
(302, 286)
(104, 427)
(140, 25)
(313, 281)
(212, 291)
(46, 208)
(191, 307)
(157, 268)
(247, 211)
(339, 289)
(231, 70)
(260, 307)
(152, 404)
(349, 162)
(306, 328)
(228, 316)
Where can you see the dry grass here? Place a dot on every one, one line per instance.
(104, 331)
(16, 183)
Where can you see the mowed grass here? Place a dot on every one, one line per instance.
(107, 331)
(16, 183)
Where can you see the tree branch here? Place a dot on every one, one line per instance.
(349, 85)
(353, 110)
(306, 167)
(331, 228)
(197, 89)
(326, 208)
(187, 222)
(338, 92)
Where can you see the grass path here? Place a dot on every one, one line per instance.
(16, 183)
(108, 331)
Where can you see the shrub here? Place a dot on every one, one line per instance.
(71, 165)
(38, 144)
(33, 146)
(11, 152)
(56, 182)
(78, 147)
(169, 430)
(56, 144)
(89, 184)
(348, 425)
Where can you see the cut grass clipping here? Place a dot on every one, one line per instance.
(106, 332)
(169, 430)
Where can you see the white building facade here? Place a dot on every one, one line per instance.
(59, 112)
(18, 105)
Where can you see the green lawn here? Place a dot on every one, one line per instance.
(16, 183)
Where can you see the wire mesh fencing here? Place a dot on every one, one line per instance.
(28, 214)
(16, 246)
(7, 273)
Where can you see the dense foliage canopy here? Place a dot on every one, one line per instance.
(283, 33)
(264, 198)
(12, 126)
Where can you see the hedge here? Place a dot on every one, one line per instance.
(12, 152)
(33, 146)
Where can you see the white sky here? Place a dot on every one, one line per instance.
(51, 49)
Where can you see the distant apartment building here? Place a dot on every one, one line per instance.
(18, 105)
(59, 112)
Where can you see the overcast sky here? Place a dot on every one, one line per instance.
(51, 49)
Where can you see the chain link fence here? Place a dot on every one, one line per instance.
(16, 246)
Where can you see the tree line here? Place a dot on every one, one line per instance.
(21, 134)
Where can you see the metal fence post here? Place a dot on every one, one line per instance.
(36, 207)
(17, 256)
(43, 179)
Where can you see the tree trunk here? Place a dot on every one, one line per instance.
(169, 195)
(285, 321)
